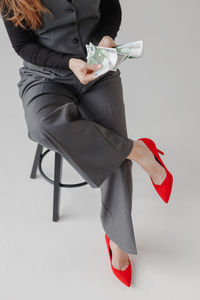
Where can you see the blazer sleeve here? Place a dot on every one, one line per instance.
(111, 17)
(26, 46)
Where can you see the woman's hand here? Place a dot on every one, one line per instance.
(107, 42)
(83, 70)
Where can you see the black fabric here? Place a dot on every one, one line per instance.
(111, 16)
(27, 47)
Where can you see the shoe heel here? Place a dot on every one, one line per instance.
(164, 189)
(161, 152)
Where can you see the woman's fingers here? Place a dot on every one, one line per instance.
(93, 67)
(87, 77)
(90, 77)
(83, 70)
(107, 41)
(89, 71)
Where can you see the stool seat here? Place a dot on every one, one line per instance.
(58, 162)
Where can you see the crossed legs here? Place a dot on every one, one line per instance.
(91, 135)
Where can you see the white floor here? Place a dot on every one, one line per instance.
(43, 260)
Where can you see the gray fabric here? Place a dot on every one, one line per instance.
(84, 123)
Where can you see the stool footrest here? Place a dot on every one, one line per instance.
(42, 155)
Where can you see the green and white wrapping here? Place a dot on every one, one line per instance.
(112, 58)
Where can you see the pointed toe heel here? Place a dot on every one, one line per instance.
(124, 276)
(164, 189)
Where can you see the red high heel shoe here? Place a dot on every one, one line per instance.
(124, 276)
(164, 189)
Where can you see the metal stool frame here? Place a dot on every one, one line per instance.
(58, 163)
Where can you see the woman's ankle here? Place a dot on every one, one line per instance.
(135, 153)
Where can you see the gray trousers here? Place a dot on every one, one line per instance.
(86, 125)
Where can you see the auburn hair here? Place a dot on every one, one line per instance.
(20, 11)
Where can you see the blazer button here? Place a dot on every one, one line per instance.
(75, 41)
(70, 9)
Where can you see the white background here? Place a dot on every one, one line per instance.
(40, 259)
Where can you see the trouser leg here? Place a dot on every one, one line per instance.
(53, 120)
(103, 103)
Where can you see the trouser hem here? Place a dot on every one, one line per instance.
(132, 251)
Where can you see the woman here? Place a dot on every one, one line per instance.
(70, 111)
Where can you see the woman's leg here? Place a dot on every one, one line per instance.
(103, 103)
(54, 121)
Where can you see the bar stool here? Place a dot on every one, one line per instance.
(58, 162)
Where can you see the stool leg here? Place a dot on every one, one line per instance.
(57, 180)
(36, 161)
